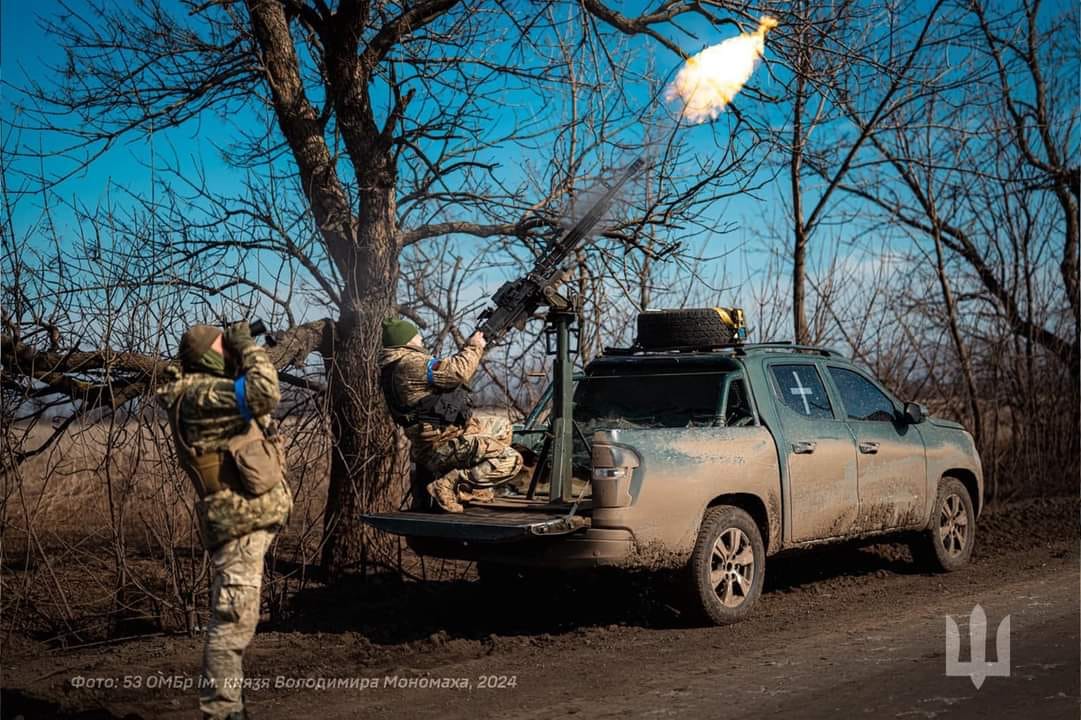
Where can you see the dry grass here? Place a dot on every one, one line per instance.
(100, 536)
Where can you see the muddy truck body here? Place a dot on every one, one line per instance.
(712, 460)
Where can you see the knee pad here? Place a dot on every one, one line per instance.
(498, 468)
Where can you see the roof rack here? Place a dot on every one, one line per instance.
(737, 348)
(789, 345)
(638, 349)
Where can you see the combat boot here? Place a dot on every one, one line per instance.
(481, 495)
(442, 491)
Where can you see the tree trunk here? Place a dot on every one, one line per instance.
(367, 470)
(364, 466)
(800, 230)
(955, 334)
(799, 310)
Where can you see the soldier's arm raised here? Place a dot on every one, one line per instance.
(257, 389)
(459, 368)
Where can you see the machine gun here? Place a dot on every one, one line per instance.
(516, 301)
(514, 304)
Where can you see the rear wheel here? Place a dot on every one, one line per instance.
(946, 545)
(727, 566)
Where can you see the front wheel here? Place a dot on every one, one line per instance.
(727, 566)
(946, 545)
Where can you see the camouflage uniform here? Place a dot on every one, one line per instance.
(208, 409)
(466, 460)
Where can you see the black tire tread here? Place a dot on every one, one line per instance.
(692, 327)
(702, 602)
(927, 550)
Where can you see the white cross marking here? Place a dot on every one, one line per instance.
(803, 392)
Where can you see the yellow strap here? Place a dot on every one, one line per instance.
(730, 317)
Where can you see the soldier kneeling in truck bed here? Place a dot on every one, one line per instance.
(429, 398)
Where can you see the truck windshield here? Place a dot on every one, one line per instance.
(648, 401)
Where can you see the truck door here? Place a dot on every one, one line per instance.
(892, 463)
(820, 453)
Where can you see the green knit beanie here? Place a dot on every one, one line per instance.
(398, 332)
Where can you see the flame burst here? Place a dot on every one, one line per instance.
(709, 80)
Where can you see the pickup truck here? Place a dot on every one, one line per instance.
(712, 461)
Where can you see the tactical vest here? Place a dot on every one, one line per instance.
(226, 509)
(211, 471)
(440, 408)
(252, 461)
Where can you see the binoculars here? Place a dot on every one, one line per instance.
(257, 327)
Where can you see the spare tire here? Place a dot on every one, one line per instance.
(689, 328)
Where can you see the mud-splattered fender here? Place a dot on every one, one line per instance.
(951, 450)
(683, 471)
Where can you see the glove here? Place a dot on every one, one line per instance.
(477, 339)
(237, 337)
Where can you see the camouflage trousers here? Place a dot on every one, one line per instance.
(480, 457)
(237, 577)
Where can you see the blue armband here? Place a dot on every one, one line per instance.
(432, 365)
(241, 390)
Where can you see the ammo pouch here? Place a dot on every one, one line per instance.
(452, 407)
(449, 408)
(259, 460)
(253, 462)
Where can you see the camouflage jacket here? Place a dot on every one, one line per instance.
(413, 382)
(213, 409)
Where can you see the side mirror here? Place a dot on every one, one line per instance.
(915, 413)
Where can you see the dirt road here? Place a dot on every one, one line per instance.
(839, 633)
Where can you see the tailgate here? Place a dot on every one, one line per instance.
(478, 524)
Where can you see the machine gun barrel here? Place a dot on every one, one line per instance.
(516, 301)
(551, 260)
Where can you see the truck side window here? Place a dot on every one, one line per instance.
(863, 401)
(800, 388)
(645, 400)
(737, 412)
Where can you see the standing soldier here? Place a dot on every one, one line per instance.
(429, 398)
(219, 406)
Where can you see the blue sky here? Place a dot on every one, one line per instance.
(25, 52)
(26, 55)
(28, 52)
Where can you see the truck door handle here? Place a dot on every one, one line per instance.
(804, 447)
(868, 448)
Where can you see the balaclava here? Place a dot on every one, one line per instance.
(196, 354)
